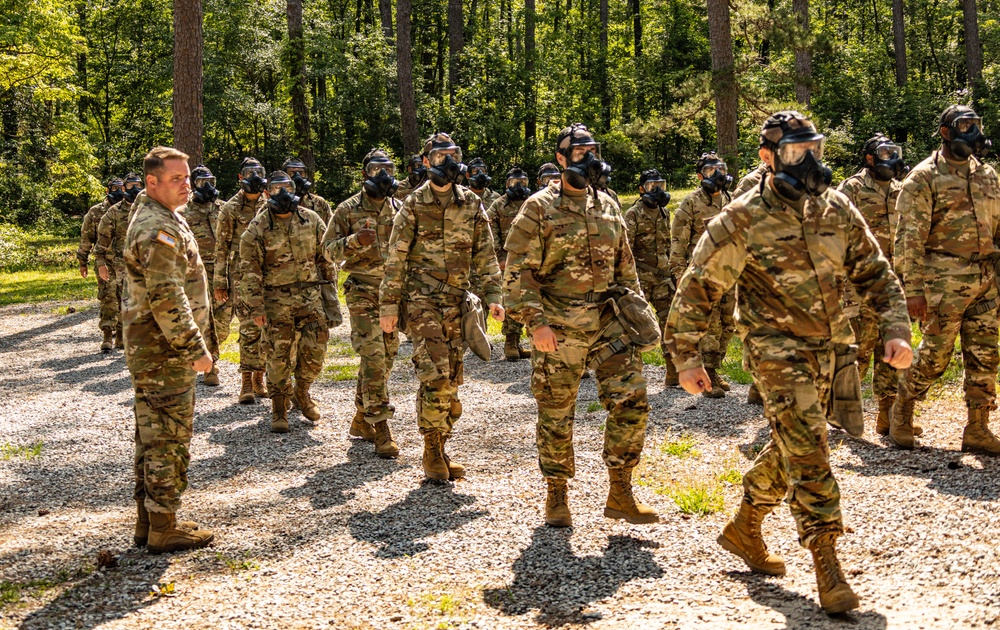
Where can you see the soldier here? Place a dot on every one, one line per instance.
(358, 237)
(946, 245)
(567, 252)
(501, 214)
(547, 174)
(282, 268)
(873, 191)
(234, 218)
(416, 174)
(479, 180)
(111, 242)
(440, 240)
(648, 224)
(603, 184)
(202, 216)
(688, 225)
(296, 169)
(788, 245)
(166, 318)
(108, 320)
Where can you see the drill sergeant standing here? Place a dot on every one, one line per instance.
(296, 169)
(416, 174)
(108, 320)
(501, 215)
(111, 243)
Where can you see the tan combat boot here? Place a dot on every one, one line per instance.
(556, 504)
(108, 340)
(279, 413)
(977, 437)
(361, 429)
(259, 389)
(166, 534)
(455, 411)
(621, 502)
(303, 401)
(511, 349)
(718, 381)
(835, 594)
(742, 536)
(119, 342)
(434, 464)
(716, 391)
(246, 391)
(141, 535)
(212, 378)
(385, 446)
(753, 395)
(901, 424)
(455, 470)
(671, 379)
(884, 416)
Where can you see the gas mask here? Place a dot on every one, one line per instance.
(381, 185)
(715, 178)
(252, 179)
(281, 200)
(799, 171)
(967, 138)
(302, 185)
(887, 163)
(654, 196)
(132, 193)
(480, 180)
(204, 191)
(517, 189)
(416, 176)
(114, 196)
(448, 171)
(586, 171)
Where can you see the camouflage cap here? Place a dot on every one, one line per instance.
(787, 126)
(576, 133)
(439, 140)
(416, 161)
(278, 177)
(477, 162)
(377, 155)
(249, 161)
(114, 180)
(651, 175)
(547, 169)
(954, 112)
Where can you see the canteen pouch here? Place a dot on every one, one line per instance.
(474, 326)
(637, 318)
(331, 304)
(847, 412)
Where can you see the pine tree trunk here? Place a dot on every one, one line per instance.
(899, 41)
(603, 69)
(640, 101)
(530, 120)
(302, 140)
(724, 82)
(456, 41)
(404, 72)
(803, 53)
(187, 98)
(973, 52)
(385, 11)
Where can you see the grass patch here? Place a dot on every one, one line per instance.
(10, 451)
(683, 446)
(698, 497)
(11, 593)
(732, 365)
(731, 476)
(338, 348)
(238, 564)
(594, 406)
(347, 372)
(654, 357)
(32, 286)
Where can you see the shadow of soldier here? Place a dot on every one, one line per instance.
(9, 343)
(428, 510)
(332, 487)
(548, 577)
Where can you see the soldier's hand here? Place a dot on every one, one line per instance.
(917, 306)
(497, 312)
(102, 271)
(695, 380)
(260, 320)
(388, 323)
(366, 236)
(204, 364)
(83, 271)
(898, 353)
(544, 339)
(221, 296)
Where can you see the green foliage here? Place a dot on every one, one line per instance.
(683, 446)
(696, 497)
(29, 452)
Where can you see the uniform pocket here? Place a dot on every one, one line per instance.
(165, 415)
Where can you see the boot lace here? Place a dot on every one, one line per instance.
(826, 553)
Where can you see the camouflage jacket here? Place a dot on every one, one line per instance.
(318, 205)
(488, 197)
(88, 232)
(405, 188)
(790, 266)
(111, 236)
(877, 204)
(558, 253)
(751, 179)
(341, 243)
(947, 221)
(235, 216)
(450, 243)
(501, 215)
(649, 238)
(282, 260)
(166, 306)
(688, 225)
(203, 219)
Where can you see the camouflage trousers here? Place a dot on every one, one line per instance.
(870, 342)
(721, 327)
(660, 294)
(949, 299)
(164, 415)
(251, 335)
(295, 318)
(555, 381)
(435, 329)
(796, 384)
(109, 295)
(376, 349)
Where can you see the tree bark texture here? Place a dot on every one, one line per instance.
(385, 11)
(302, 140)
(603, 69)
(973, 52)
(530, 114)
(404, 72)
(456, 42)
(899, 41)
(640, 101)
(724, 85)
(187, 98)
(803, 53)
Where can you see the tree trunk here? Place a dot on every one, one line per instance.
(456, 41)
(724, 82)
(302, 141)
(973, 53)
(187, 105)
(603, 69)
(899, 41)
(385, 11)
(640, 101)
(404, 72)
(803, 53)
(530, 115)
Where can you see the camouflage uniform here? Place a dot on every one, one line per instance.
(111, 243)
(434, 254)
(281, 268)
(877, 203)
(235, 216)
(364, 264)
(318, 205)
(106, 291)
(790, 263)
(565, 255)
(501, 215)
(203, 220)
(166, 317)
(751, 179)
(688, 225)
(488, 197)
(649, 239)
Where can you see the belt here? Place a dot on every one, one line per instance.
(432, 285)
(298, 285)
(589, 296)
(982, 307)
(974, 257)
(372, 281)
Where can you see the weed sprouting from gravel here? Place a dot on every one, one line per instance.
(696, 497)
(29, 452)
(683, 446)
(594, 406)
(730, 475)
(238, 564)
(341, 372)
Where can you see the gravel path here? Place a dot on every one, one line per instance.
(313, 531)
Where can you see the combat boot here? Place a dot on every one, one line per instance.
(212, 378)
(166, 534)
(279, 413)
(108, 340)
(525, 352)
(119, 342)
(246, 390)
(742, 536)
(753, 395)
(901, 424)
(718, 381)
(385, 446)
(362, 429)
(455, 470)
(557, 504)
(141, 535)
(304, 402)
(835, 594)
(671, 379)
(716, 391)
(977, 437)
(511, 349)
(434, 464)
(259, 389)
(455, 410)
(884, 415)
(621, 502)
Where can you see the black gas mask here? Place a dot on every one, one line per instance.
(206, 192)
(715, 178)
(302, 184)
(281, 200)
(799, 171)
(887, 162)
(654, 196)
(517, 189)
(252, 179)
(416, 176)
(448, 171)
(967, 138)
(587, 171)
(132, 193)
(382, 184)
(114, 196)
(480, 180)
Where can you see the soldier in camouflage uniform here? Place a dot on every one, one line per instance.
(234, 218)
(567, 254)
(873, 191)
(111, 242)
(108, 320)
(688, 225)
(282, 268)
(358, 237)
(789, 246)
(548, 173)
(416, 174)
(440, 243)
(648, 224)
(166, 319)
(296, 169)
(202, 215)
(946, 249)
(501, 215)
(479, 180)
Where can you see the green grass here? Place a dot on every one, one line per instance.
(10, 451)
(594, 406)
(341, 372)
(683, 446)
(699, 498)
(34, 286)
(654, 357)
(238, 564)
(12, 592)
(731, 476)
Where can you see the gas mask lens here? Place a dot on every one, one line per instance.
(885, 152)
(517, 181)
(131, 185)
(250, 171)
(716, 168)
(275, 189)
(373, 168)
(653, 184)
(580, 151)
(438, 156)
(793, 153)
(547, 178)
(965, 125)
(202, 181)
(117, 188)
(296, 172)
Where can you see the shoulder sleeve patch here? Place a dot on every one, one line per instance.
(166, 239)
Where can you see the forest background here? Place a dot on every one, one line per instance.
(88, 86)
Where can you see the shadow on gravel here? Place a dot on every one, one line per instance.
(548, 577)
(10, 343)
(803, 612)
(336, 485)
(430, 509)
